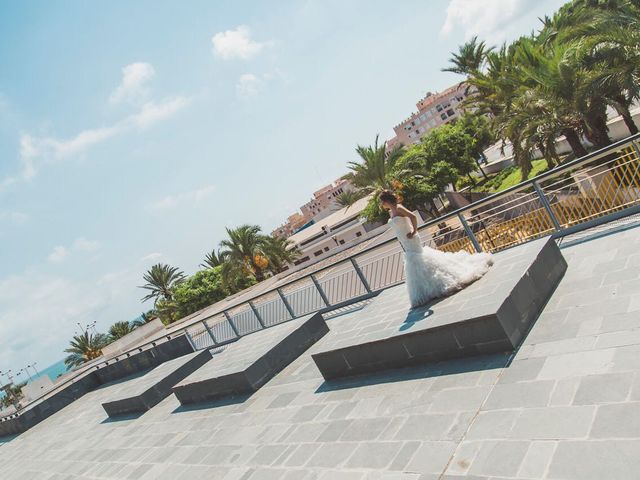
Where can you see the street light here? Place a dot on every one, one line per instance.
(33, 365)
(27, 372)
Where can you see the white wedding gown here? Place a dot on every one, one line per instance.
(431, 273)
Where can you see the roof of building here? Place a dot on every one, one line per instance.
(330, 221)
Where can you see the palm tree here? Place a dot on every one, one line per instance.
(212, 259)
(243, 252)
(84, 348)
(609, 33)
(348, 198)
(120, 329)
(160, 280)
(374, 172)
(144, 318)
(559, 81)
(532, 96)
(470, 58)
(279, 251)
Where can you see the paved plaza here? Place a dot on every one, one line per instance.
(565, 405)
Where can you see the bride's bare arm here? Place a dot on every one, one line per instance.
(412, 218)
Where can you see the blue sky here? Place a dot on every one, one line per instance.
(134, 132)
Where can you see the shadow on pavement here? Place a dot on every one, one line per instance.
(448, 367)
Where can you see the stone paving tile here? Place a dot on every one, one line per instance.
(431, 457)
(617, 421)
(501, 459)
(375, 455)
(537, 459)
(520, 395)
(564, 407)
(496, 424)
(591, 460)
(606, 388)
(553, 423)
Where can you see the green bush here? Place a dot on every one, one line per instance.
(199, 291)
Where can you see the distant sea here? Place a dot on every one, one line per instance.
(53, 371)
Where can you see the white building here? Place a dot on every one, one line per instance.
(333, 233)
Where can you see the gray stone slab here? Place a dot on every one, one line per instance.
(244, 366)
(492, 315)
(141, 394)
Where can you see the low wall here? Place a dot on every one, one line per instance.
(145, 360)
(87, 381)
(132, 339)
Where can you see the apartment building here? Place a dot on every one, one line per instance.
(333, 233)
(324, 201)
(434, 109)
(322, 205)
(294, 223)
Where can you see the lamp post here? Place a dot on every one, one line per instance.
(27, 372)
(33, 365)
(7, 389)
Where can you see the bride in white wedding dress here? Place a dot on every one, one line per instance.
(430, 273)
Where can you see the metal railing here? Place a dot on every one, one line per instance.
(576, 195)
(594, 189)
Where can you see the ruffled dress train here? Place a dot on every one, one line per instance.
(431, 273)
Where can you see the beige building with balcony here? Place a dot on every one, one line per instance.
(322, 205)
(335, 232)
(324, 201)
(292, 225)
(434, 109)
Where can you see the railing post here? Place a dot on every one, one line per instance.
(547, 206)
(634, 145)
(210, 332)
(363, 279)
(231, 324)
(257, 314)
(467, 229)
(189, 339)
(320, 291)
(287, 305)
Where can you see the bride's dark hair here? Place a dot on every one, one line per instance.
(388, 196)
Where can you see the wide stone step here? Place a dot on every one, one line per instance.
(244, 366)
(142, 393)
(491, 315)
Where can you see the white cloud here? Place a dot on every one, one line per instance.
(38, 150)
(188, 199)
(133, 86)
(35, 151)
(248, 85)
(236, 44)
(487, 18)
(38, 311)
(14, 217)
(58, 254)
(151, 257)
(83, 245)
(152, 112)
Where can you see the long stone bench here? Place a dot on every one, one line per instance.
(67, 392)
(244, 366)
(491, 315)
(141, 394)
